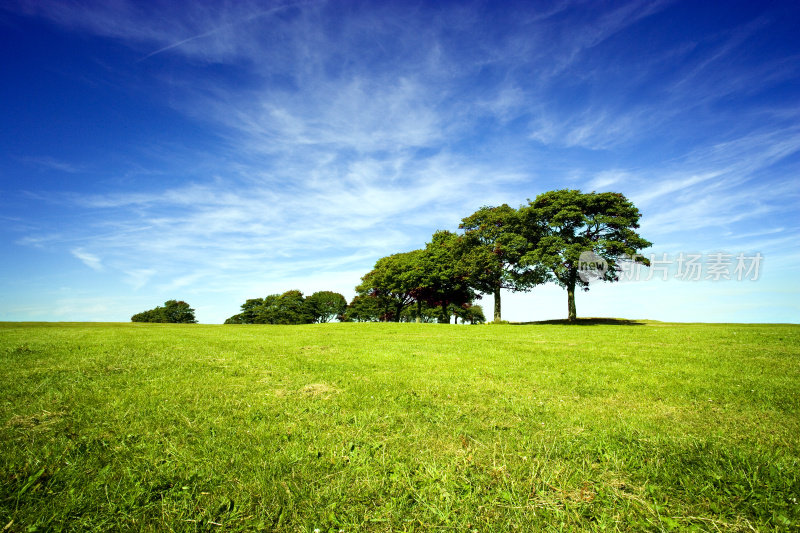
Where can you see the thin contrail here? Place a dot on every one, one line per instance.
(223, 26)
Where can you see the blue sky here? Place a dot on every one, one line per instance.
(218, 151)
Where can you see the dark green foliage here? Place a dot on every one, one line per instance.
(493, 247)
(173, 312)
(291, 308)
(406, 286)
(469, 313)
(393, 283)
(443, 279)
(422, 312)
(567, 223)
(287, 308)
(365, 308)
(326, 306)
(251, 311)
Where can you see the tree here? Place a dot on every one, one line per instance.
(326, 306)
(151, 315)
(179, 312)
(493, 248)
(421, 313)
(287, 308)
(256, 311)
(393, 281)
(291, 308)
(173, 312)
(364, 308)
(568, 223)
(470, 313)
(441, 276)
(251, 312)
(235, 319)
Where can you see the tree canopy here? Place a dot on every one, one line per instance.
(568, 223)
(393, 282)
(443, 279)
(365, 308)
(287, 308)
(406, 286)
(173, 312)
(326, 306)
(494, 244)
(470, 313)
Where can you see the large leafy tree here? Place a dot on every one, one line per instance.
(441, 276)
(291, 308)
(493, 247)
(568, 223)
(173, 311)
(393, 282)
(326, 306)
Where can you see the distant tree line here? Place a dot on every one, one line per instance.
(292, 308)
(173, 311)
(325, 306)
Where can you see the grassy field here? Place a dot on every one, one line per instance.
(403, 427)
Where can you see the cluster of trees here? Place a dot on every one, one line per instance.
(369, 308)
(498, 248)
(292, 308)
(324, 306)
(505, 248)
(173, 311)
(419, 285)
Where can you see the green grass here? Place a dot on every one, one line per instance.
(403, 427)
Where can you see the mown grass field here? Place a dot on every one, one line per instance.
(403, 427)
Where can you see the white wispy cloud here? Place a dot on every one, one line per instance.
(209, 32)
(88, 259)
(361, 207)
(607, 178)
(41, 240)
(52, 163)
(594, 128)
(138, 278)
(720, 188)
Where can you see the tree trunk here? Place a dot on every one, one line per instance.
(571, 312)
(419, 311)
(445, 314)
(497, 305)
